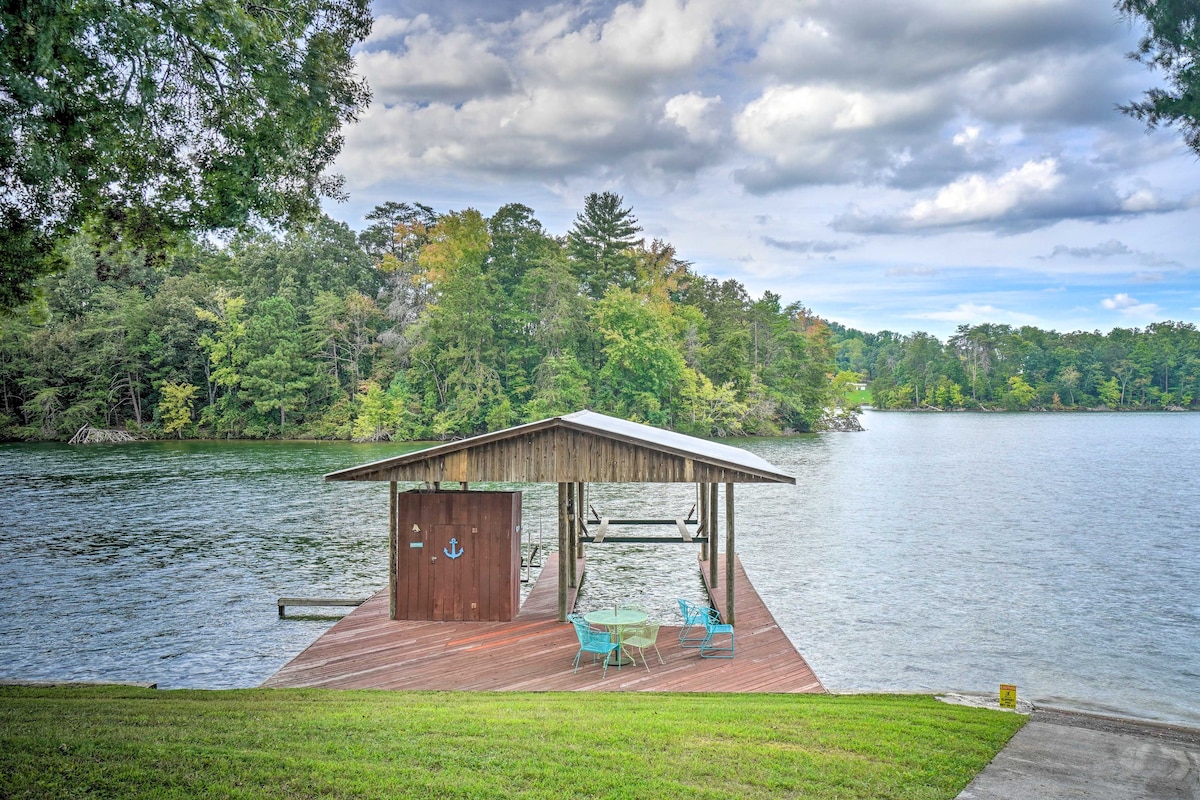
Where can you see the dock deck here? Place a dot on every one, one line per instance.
(366, 650)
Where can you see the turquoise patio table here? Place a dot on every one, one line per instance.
(616, 621)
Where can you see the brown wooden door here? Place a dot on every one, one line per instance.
(452, 556)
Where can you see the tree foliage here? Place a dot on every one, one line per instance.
(423, 325)
(602, 242)
(994, 367)
(155, 120)
(466, 323)
(1170, 45)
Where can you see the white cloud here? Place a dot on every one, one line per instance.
(807, 246)
(1143, 200)
(1120, 301)
(387, 27)
(968, 136)
(636, 44)
(448, 68)
(827, 134)
(1118, 251)
(764, 129)
(974, 198)
(1037, 194)
(1104, 250)
(1130, 306)
(700, 116)
(555, 94)
(971, 313)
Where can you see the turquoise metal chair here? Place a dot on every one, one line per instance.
(595, 642)
(693, 616)
(713, 628)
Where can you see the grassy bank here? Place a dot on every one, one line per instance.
(125, 742)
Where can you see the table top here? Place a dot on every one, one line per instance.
(609, 618)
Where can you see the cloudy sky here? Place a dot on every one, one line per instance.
(903, 166)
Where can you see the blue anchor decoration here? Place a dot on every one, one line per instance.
(455, 551)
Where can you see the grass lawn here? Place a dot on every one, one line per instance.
(126, 742)
(860, 397)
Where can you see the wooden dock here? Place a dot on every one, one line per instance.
(366, 650)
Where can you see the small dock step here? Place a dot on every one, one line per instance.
(284, 602)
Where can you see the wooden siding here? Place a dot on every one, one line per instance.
(556, 455)
(366, 650)
(481, 584)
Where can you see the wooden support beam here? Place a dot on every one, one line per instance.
(572, 515)
(643, 540)
(580, 518)
(683, 531)
(712, 537)
(729, 555)
(284, 602)
(670, 521)
(703, 514)
(564, 554)
(393, 547)
(603, 529)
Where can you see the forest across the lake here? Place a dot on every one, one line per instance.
(434, 324)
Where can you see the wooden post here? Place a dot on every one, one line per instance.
(393, 548)
(580, 516)
(729, 554)
(563, 553)
(703, 519)
(572, 535)
(712, 535)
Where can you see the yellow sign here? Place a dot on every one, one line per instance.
(1008, 695)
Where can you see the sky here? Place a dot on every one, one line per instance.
(908, 166)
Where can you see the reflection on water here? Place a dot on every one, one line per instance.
(942, 551)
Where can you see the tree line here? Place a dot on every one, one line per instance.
(423, 325)
(992, 366)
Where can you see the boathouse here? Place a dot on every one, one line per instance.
(455, 554)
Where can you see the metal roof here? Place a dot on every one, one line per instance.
(685, 456)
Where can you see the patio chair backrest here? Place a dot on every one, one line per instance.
(592, 639)
(692, 613)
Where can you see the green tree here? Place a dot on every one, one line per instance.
(224, 344)
(455, 357)
(175, 407)
(601, 244)
(173, 344)
(796, 362)
(372, 423)
(1171, 45)
(1020, 394)
(344, 332)
(708, 410)
(1068, 378)
(518, 245)
(400, 234)
(276, 374)
(560, 387)
(159, 118)
(323, 256)
(726, 334)
(642, 365)
(1110, 393)
(397, 230)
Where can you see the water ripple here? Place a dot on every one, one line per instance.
(1057, 552)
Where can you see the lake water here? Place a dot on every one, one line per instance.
(1059, 552)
